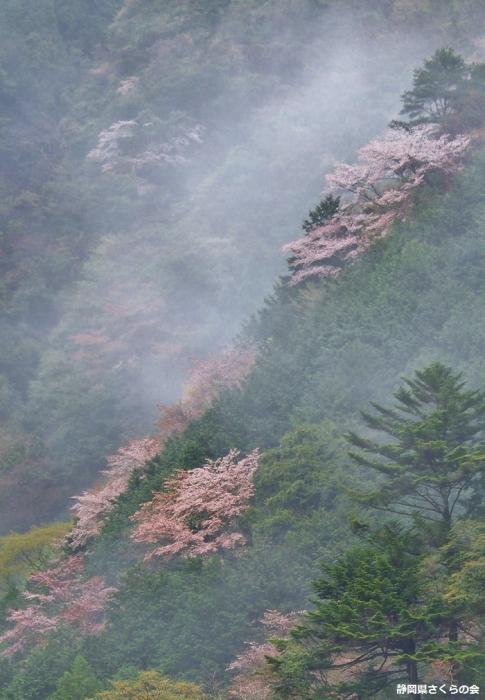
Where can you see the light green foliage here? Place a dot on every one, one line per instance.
(21, 553)
(78, 683)
(465, 555)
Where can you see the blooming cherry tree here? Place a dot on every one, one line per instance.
(207, 379)
(252, 680)
(30, 626)
(57, 595)
(194, 514)
(129, 146)
(95, 503)
(373, 194)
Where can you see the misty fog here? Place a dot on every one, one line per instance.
(186, 251)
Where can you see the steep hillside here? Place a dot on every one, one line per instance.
(305, 519)
(326, 351)
(155, 156)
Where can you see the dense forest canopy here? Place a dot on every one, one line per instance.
(231, 232)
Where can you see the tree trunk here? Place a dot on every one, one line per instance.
(412, 667)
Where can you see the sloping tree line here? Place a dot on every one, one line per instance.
(445, 106)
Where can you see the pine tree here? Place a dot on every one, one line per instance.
(433, 467)
(437, 88)
(322, 213)
(370, 625)
(77, 683)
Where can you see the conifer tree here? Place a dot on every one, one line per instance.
(322, 213)
(446, 91)
(432, 469)
(369, 627)
(437, 87)
(78, 683)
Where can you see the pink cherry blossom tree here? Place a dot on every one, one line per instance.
(57, 595)
(92, 505)
(206, 380)
(226, 370)
(252, 679)
(129, 146)
(195, 513)
(30, 626)
(374, 193)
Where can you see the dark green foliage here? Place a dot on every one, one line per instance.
(437, 87)
(434, 465)
(219, 602)
(194, 244)
(199, 241)
(324, 211)
(325, 351)
(37, 676)
(447, 91)
(376, 621)
(368, 621)
(78, 683)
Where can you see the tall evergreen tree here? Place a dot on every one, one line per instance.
(370, 625)
(78, 683)
(433, 467)
(437, 87)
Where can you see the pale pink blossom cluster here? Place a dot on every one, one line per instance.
(253, 679)
(374, 193)
(129, 146)
(61, 595)
(128, 85)
(209, 377)
(93, 504)
(108, 149)
(194, 515)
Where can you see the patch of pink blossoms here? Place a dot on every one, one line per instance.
(375, 193)
(58, 595)
(252, 680)
(93, 504)
(209, 377)
(194, 514)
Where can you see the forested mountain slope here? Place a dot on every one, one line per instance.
(262, 543)
(154, 158)
(326, 349)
